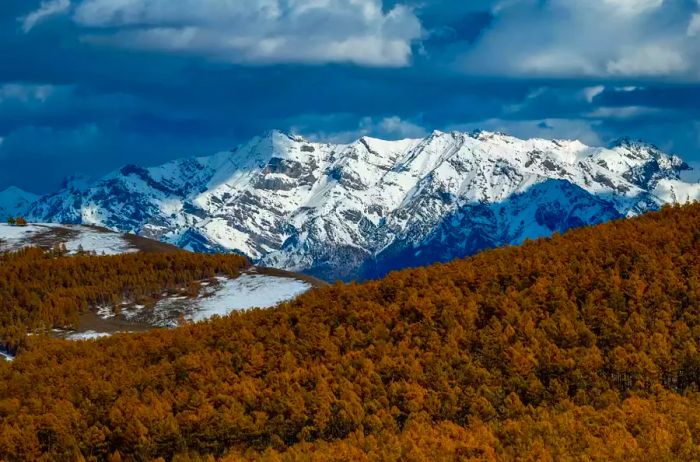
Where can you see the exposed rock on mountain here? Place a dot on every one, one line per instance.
(357, 210)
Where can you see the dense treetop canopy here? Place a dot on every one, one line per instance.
(41, 290)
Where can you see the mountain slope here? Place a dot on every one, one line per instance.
(77, 239)
(553, 206)
(356, 210)
(15, 202)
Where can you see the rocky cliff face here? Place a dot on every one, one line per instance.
(358, 210)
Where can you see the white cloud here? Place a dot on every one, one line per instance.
(556, 61)
(257, 31)
(388, 128)
(395, 126)
(652, 60)
(590, 39)
(633, 7)
(25, 93)
(628, 89)
(694, 25)
(591, 92)
(46, 9)
(621, 112)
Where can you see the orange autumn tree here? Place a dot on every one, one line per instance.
(41, 290)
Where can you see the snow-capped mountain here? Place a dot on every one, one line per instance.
(359, 209)
(15, 202)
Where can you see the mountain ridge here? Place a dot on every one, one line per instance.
(332, 210)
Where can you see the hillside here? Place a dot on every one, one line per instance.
(582, 346)
(358, 210)
(68, 292)
(77, 239)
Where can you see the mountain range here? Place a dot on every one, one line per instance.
(358, 210)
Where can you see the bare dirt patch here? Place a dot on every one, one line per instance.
(143, 244)
(52, 236)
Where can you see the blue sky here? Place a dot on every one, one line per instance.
(87, 86)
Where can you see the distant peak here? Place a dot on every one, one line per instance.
(371, 139)
(627, 142)
(275, 134)
(647, 152)
(12, 190)
(18, 192)
(480, 134)
(367, 141)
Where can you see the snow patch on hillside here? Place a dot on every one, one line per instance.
(248, 291)
(74, 237)
(244, 292)
(101, 243)
(16, 237)
(87, 335)
(219, 298)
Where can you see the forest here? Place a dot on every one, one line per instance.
(40, 290)
(583, 346)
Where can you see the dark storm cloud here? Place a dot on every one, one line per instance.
(89, 85)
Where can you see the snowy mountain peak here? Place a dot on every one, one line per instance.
(279, 136)
(485, 135)
(15, 202)
(647, 150)
(357, 209)
(627, 142)
(15, 192)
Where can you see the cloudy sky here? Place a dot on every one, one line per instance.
(89, 85)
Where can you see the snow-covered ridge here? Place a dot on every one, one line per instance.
(75, 238)
(358, 209)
